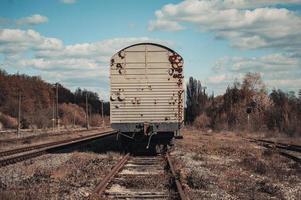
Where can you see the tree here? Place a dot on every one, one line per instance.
(196, 99)
(38, 98)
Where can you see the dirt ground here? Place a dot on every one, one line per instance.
(55, 176)
(226, 166)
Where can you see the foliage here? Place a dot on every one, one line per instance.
(38, 99)
(196, 98)
(202, 121)
(7, 121)
(72, 114)
(277, 111)
(95, 120)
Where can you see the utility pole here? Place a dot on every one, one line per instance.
(90, 112)
(87, 117)
(57, 106)
(74, 113)
(103, 120)
(19, 113)
(53, 114)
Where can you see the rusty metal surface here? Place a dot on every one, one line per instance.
(178, 184)
(146, 85)
(103, 184)
(288, 150)
(121, 183)
(138, 168)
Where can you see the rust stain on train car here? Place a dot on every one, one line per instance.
(175, 71)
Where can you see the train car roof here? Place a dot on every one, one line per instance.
(147, 43)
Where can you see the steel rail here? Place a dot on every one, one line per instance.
(101, 187)
(178, 184)
(40, 132)
(32, 147)
(279, 147)
(290, 147)
(53, 147)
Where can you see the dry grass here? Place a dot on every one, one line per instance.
(196, 180)
(72, 113)
(74, 177)
(225, 166)
(202, 121)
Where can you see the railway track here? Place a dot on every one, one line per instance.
(287, 150)
(23, 153)
(40, 133)
(141, 177)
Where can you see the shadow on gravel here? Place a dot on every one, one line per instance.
(102, 145)
(110, 144)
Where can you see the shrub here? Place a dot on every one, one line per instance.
(39, 119)
(202, 121)
(254, 164)
(70, 113)
(95, 120)
(8, 121)
(197, 180)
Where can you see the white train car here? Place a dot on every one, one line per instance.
(146, 92)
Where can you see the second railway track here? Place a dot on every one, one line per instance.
(287, 150)
(23, 153)
(141, 177)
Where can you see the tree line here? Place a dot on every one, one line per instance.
(245, 105)
(38, 101)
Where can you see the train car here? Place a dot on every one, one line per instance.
(147, 94)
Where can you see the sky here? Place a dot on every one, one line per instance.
(71, 41)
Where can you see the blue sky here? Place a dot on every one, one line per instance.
(71, 41)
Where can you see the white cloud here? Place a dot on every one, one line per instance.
(59, 65)
(74, 65)
(234, 20)
(272, 63)
(246, 24)
(217, 78)
(68, 1)
(32, 20)
(165, 25)
(16, 40)
(291, 84)
(255, 3)
(278, 70)
(98, 50)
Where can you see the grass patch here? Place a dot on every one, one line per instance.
(196, 180)
(254, 164)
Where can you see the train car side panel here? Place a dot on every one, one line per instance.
(146, 88)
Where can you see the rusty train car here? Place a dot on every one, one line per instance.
(146, 94)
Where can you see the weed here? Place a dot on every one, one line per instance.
(253, 163)
(196, 180)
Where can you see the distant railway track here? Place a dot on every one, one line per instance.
(23, 153)
(130, 169)
(281, 148)
(40, 133)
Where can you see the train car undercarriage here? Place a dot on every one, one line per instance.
(136, 143)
